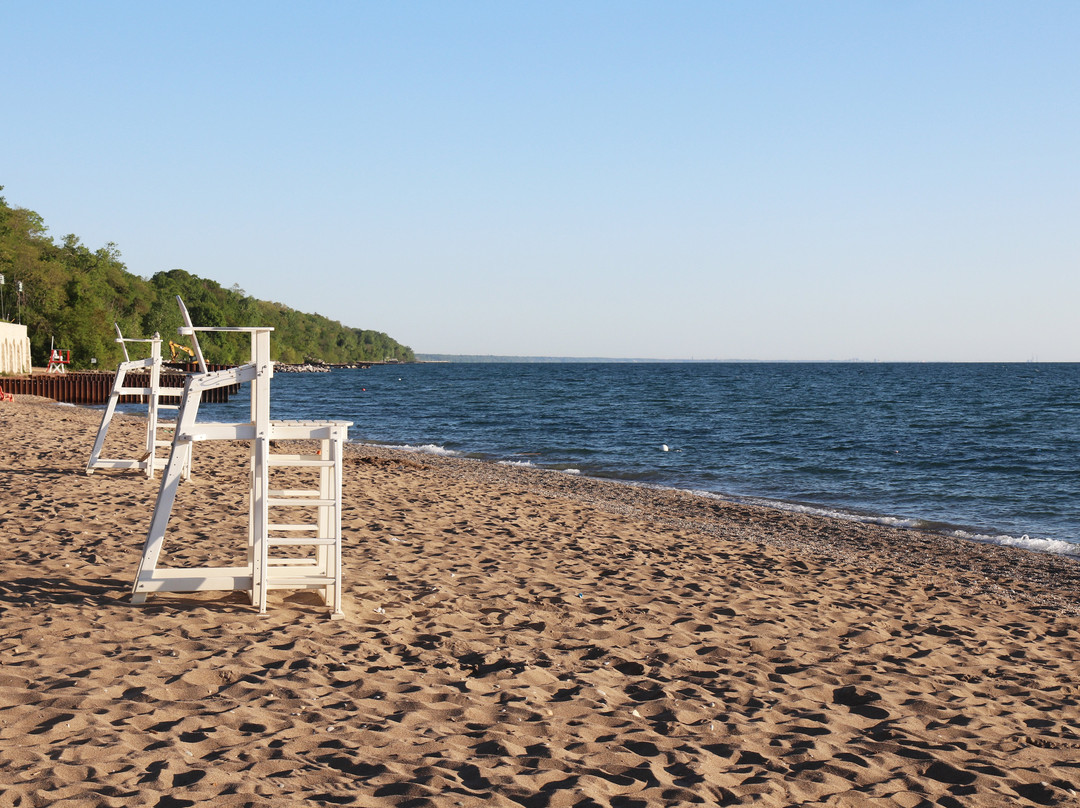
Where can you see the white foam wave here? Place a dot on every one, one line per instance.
(817, 510)
(571, 471)
(1052, 546)
(430, 448)
(519, 463)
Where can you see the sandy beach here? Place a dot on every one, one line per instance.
(516, 637)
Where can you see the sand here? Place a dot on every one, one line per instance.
(517, 638)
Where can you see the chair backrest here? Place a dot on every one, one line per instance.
(189, 330)
(122, 341)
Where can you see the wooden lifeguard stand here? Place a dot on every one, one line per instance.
(321, 569)
(149, 461)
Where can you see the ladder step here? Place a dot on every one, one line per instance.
(111, 463)
(281, 541)
(302, 581)
(307, 464)
(168, 406)
(163, 443)
(297, 502)
(291, 527)
(292, 492)
(134, 391)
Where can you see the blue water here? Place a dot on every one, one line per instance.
(985, 451)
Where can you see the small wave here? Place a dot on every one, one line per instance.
(429, 448)
(1052, 546)
(821, 510)
(570, 471)
(853, 516)
(521, 463)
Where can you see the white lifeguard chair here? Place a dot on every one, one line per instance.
(149, 461)
(321, 568)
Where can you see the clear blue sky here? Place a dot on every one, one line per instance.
(761, 180)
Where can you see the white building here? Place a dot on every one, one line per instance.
(14, 349)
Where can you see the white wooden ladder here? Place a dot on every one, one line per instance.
(322, 532)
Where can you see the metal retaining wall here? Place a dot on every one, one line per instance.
(94, 387)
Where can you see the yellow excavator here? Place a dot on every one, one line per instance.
(176, 347)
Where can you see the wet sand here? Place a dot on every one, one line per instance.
(517, 637)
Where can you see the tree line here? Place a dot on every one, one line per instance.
(73, 295)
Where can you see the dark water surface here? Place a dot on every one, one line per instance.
(986, 451)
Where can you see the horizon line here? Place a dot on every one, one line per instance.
(527, 358)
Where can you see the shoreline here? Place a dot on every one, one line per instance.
(964, 533)
(516, 636)
(847, 539)
(938, 526)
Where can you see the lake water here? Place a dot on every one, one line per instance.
(984, 451)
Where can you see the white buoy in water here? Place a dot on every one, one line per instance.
(664, 447)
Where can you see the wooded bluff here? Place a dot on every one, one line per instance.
(74, 295)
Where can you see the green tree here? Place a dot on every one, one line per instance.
(75, 294)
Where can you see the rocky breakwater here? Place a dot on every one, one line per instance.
(307, 367)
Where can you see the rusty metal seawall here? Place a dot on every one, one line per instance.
(93, 387)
